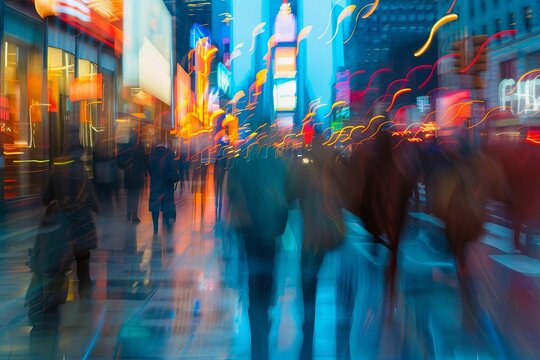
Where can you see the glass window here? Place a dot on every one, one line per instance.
(512, 20)
(60, 75)
(22, 110)
(527, 17)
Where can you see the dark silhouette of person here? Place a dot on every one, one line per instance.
(256, 191)
(133, 161)
(104, 171)
(313, 180)
(69, 184)
(163, 171)
(220, 171)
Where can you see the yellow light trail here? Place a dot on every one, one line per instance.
(337, 103)
(397, 93)
(31, 161)
(352, 130)
(61, 163)
(371, 120)
(487, 115)
(442, 21)
(372, 10)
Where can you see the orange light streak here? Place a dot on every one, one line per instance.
(399, 92)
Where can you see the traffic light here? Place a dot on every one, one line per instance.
(481, 63)
(459, 48)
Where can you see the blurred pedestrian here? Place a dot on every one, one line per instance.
(256, 190)
(70, 186)
(104, 171)
(133, 160)
(313, 180)
(163, 171)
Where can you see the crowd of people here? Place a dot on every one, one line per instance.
(257, 184)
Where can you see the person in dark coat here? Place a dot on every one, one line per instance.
(314, 181)
(69, 184)
(163, 170)
(133, 161)
(259, 210)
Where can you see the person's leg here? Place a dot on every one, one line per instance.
(135, 196)
(129, 203)
(155, 220)
(345, 299)
(260, 260)
(83, 272)
(310, 269)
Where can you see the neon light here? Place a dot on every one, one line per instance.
(345, 13)
(399, 92)
(483, 46)
(451, 7)
(329, 19)
(442, 21)
(31, 161)
(372, 10)
(487, 115)
(434, 68)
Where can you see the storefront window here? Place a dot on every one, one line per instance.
(60, 74)
(22, 134)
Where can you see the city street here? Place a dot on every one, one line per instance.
(183, 295)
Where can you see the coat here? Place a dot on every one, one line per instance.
(164, 174)
(69, 184)
(133, 161)
(315, 183)
(256, 189)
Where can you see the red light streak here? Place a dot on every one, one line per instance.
(482, 48)
(434, 68)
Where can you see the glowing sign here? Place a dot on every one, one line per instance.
(224, 78)
(453, 108)
(74, 8)
(86, 88)
(197, 33)
(285, 63)
(285, 96)
(285, 25)
(147, 41)
(183, 95)
(523, 98)
(423, 103)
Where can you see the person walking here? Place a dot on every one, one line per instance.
(71, 187)
(315, 183)
(259, 210)
(133, 161)
(163, 170)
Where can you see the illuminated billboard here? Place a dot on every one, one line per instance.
(183, 95)
(197, 33)
(224, 78)
(285, 25)
(285, 63)
(285, 95)
(453, 108)
(147, 48)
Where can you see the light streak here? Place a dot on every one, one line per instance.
(61, 163)
(482, 47)
(434, 68)
(329, 19)
(372, 10)
(399, 92)
(356, 73)
(442, 21)
(355, 24)
(345, 13)
(337, 103)
(371, 79)
(392, 83)
(257, 30)
(371, 120)
(353, 130)
(7, 153)
(487, 115)
(302, 35)
(451, 7)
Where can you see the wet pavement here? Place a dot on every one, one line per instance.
(182, 295)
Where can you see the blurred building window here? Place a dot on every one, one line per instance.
(533, 61)
(508, 69)
(498, 25)
(512, 21)
(527, 17)
(484, 29)
(483, 5)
